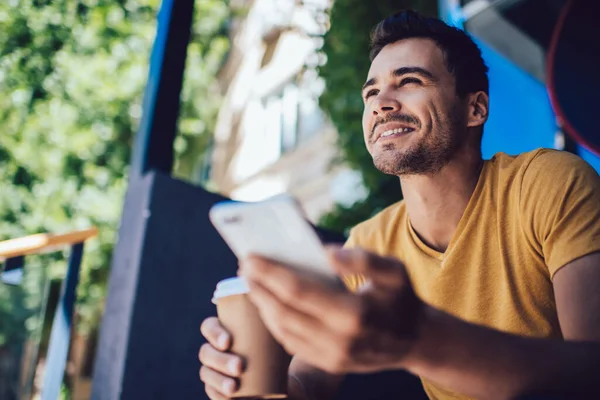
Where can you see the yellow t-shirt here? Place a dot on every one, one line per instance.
(528, 216)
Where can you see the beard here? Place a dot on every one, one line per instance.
(429, 155)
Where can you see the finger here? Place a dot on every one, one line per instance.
(213, 394)
(285, 322)
(382, 271)
(307, 293)
(278, 315)
(314, 351)
(223, 384)
(225, 363)
(216, 335)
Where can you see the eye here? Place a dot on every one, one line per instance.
(371, 92)
(407, 81)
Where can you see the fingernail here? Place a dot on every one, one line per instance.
(229, 386)
(234, 366)
(223, 341)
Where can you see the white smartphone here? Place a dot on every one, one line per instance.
(273, 228)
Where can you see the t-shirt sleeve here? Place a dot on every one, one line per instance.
(560, 204)
(355, 281)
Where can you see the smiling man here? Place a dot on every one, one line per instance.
(484, 281)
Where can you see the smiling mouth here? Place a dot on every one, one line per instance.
(395, 132)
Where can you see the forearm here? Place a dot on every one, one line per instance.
(309, 383)
(484, 363)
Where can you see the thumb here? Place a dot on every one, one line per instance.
(381, 271)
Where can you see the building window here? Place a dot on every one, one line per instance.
(282, 113)
(277, 124)
(311, 118)
(295, 115)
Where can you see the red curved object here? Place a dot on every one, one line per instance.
(551, 84)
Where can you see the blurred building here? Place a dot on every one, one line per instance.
(271, 137)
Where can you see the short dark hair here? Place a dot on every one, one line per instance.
(463, 57)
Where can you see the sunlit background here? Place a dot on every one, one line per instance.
(270, 104)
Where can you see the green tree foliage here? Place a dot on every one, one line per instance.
(346, 47)
(72, 75)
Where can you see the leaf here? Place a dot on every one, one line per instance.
(72, 76)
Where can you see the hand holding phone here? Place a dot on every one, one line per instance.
(275, 229)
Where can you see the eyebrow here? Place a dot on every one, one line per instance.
(400, 72)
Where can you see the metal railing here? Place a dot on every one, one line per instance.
(13, 253)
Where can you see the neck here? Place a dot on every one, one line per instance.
(436, 202)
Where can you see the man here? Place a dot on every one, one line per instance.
(484, 281)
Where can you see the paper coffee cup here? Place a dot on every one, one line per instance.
(266, 361)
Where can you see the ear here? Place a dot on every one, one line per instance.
(477, 109)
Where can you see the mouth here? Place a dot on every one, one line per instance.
(392, 132)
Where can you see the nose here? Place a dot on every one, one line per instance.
(385, 103)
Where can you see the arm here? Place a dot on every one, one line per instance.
(485, 363)
(309, 383)
(387, 327)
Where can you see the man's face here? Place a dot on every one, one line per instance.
(413, 120)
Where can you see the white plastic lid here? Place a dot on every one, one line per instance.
(230, 287)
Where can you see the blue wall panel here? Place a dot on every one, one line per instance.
(521, 117)
(590, 157)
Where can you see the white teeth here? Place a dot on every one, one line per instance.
(394, 131)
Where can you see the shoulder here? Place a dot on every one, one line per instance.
(372, 233)
(559, 198)
(555, 159)
(529, 158)
(542, 167)
(557, 168)
(506, 163)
